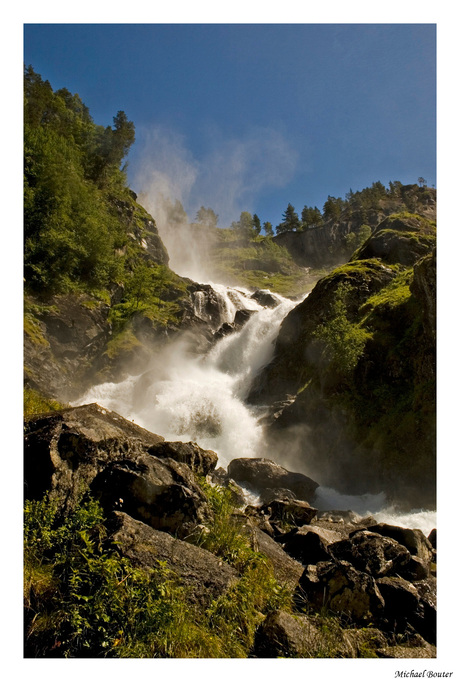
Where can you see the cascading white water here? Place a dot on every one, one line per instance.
(201, 399)
(189, 398)
(376, 506)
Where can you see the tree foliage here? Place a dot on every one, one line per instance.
(71, 174)
(207, 217)
(291, 221)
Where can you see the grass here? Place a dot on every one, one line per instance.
(35, 403)
(82, 599)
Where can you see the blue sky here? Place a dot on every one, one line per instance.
(254, 116)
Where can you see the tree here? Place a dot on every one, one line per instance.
(311, 217)
(207, 216)
(268, 228)
(243, 227)
(291, 221)
(256, 227)
(422, 181)
(332, 208)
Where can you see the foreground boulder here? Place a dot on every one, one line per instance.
(282, 635)
(201, 461)
(89, 447)
(261, 473)
(203, 575)
(342, 589)
(371, 553)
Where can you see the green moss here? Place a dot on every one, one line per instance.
(396, 293)
(35, 403)
(124, 342)
(33, 331)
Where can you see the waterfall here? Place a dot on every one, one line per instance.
(189, 398)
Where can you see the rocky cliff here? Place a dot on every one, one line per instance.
(329, 244)
(351, 384)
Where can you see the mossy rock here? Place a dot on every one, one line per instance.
(400, 239)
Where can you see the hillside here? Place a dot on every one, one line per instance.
(292, 261)
(137, 544)
(352, 381)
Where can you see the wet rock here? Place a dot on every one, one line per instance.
(265, 298)
(261, 473)
(202, 462)
(372, 553)
(432, 538)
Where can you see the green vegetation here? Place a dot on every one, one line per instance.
(258, 263)
(85, 600)
(344, 341)
(84, 231)
(35, 403)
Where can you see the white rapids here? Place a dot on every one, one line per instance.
(184, 397)
(188, 398)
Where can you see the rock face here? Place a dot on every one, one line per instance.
(325, 245)
(351, 385)
(261, 473)
(62, 339)
(89, 446)
(203, 575)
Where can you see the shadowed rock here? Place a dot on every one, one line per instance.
(261, 473)
(203, 575)
(371, 553)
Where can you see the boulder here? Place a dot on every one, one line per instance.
(202, 462)
(267, 495)
(309, 544)
(371, 553)
(412, 538)
(297, 512)
(265, 298)
(401, 601)
(261, 473)
(424, 620)
(341, 588)
(415, 569)
(162, 494)
(89, 447)
(204, 576)
(282, 635)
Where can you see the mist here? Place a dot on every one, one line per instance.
(172, 184)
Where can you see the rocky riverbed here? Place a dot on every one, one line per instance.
(377, 581)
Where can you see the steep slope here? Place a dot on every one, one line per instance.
(99, 293)
(352, 382)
